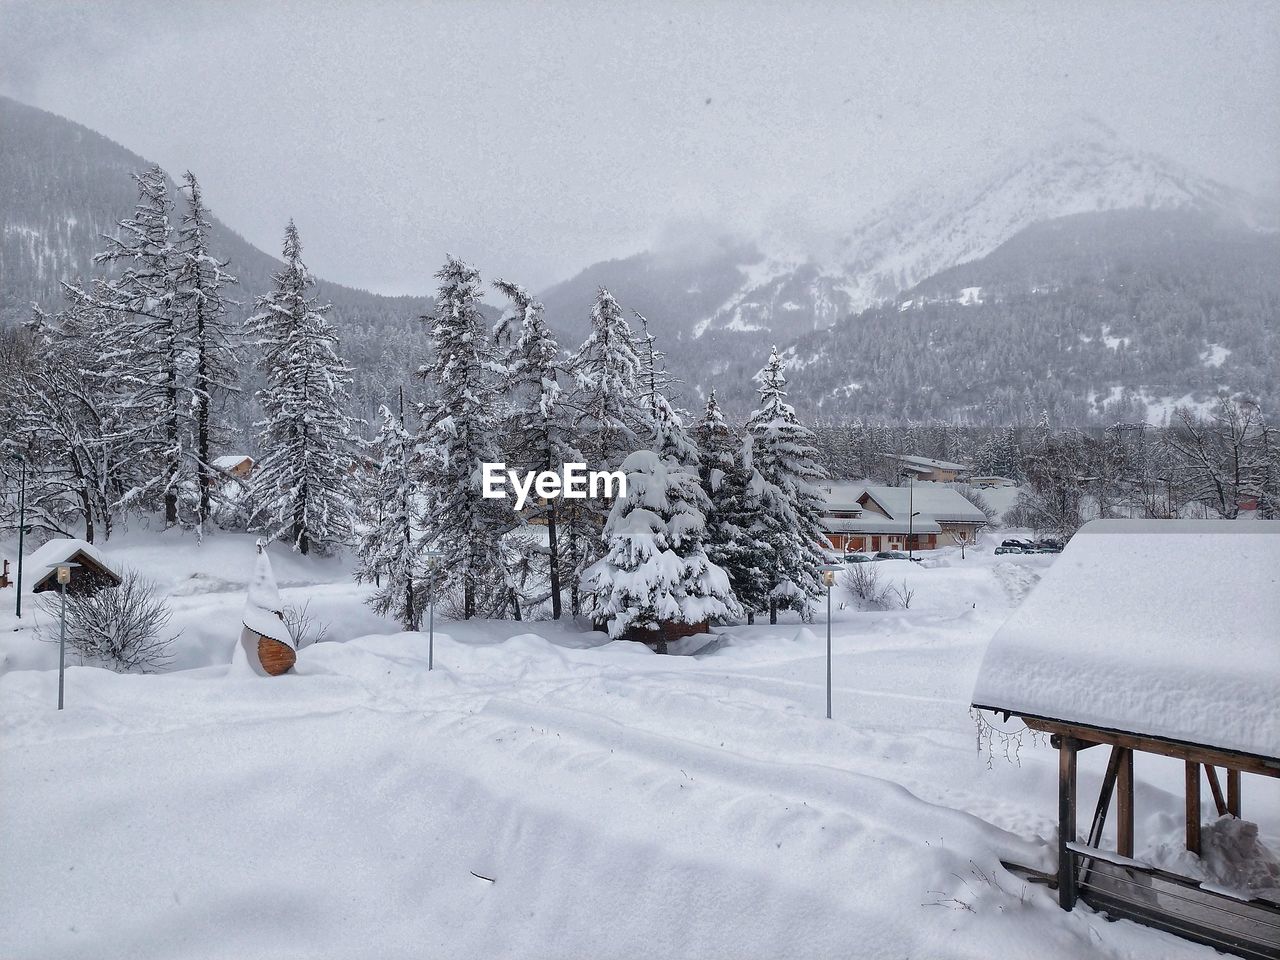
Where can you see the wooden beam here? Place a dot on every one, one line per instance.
(1066, 822)
(1104, 797)
(1233, 792)
(1124, 811)
(1248, 762)
(1219, 801)
(1193, 807)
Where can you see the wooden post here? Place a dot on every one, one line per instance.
(1124, 812)
(1219, 801)
(1233, 792)
(1193, 807)
(1067, 747)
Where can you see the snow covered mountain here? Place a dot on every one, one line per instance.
(782, 294)
(1084, 169)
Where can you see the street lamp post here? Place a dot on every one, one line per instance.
(912, 513)
(64, 577)
(828, 580)
(13, 452)
(432, 556)
(22, 528)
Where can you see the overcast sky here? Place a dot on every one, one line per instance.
(537, 138)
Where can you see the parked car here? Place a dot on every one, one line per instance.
(856, 558)
(1019, 543)
(1005, 548)
(894, 555)
(1049, 546)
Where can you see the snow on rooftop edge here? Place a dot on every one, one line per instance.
(58, 550)
(1168, 628)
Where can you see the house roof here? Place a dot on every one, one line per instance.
(61, 550)
(874, 523)
(231, 460)
(928, 463)
(1164, 628)
(931, 500)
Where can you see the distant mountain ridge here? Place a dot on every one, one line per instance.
(1031, 250)
(785, 295)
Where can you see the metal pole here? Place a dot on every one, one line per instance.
(911, 516)
(22, 529)
(62, 642)
(828, 651)
(431, 620)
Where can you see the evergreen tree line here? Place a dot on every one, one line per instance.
(717, 523)
(118, 403)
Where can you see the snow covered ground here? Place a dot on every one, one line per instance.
(542, 793)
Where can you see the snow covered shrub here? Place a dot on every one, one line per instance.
(119, 627)
(903, 594)
(303, 626)
(863, 581)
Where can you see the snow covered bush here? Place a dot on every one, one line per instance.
(863, 581)
(119, 627)
(303, 626)
(655, 570)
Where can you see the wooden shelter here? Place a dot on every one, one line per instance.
(92, 573)
(1155, 637)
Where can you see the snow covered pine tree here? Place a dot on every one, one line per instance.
(655, 582)
(788, 466)
(732, 538)
(458, 434)
(387, 551)
(150, 341)
(302, 488)
(540, 434)
(210, 338)
(611, 423)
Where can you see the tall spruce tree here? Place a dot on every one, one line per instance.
(539, 435)
(209, 335)
(611, 424)
(459, 433)
(148, 350)
(733, 535)
(388, 550)
(302, 488)
(788, 466)
(654, 384)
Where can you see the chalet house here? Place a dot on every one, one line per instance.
(934, 471)
(235, 465)
(861, 517)
(1126, 647)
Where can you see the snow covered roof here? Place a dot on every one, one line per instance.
(844, 496)
(874, 523)
(231, 461)
(928, 463)
(931, 500)
(61, 550)
(1166, 628)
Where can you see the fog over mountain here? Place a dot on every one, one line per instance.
(535, 140)
(1010, 263)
